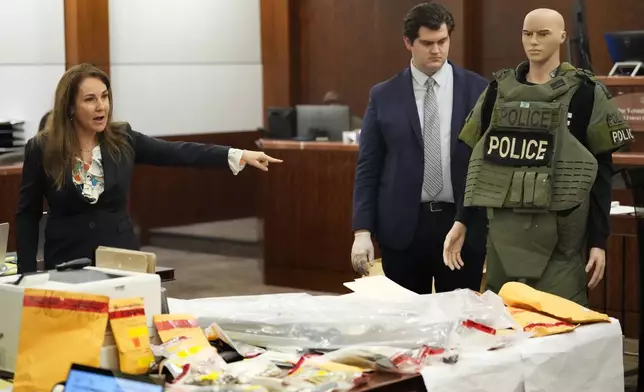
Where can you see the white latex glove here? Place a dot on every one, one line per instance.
(362, 253)
(453, 245)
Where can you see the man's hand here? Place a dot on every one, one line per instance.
(362, 253)
(453, 245)
(596, 262)
(258, 159)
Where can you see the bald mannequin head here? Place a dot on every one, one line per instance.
(544, 30)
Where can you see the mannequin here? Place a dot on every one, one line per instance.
(540, 80)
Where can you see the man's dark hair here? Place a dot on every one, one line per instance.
(429, 15)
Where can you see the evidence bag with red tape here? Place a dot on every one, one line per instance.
(58, 328)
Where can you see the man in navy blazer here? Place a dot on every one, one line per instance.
(411, 168)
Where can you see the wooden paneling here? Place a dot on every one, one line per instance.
(502, 21)
(165, 196)
(306, 206)
(472, 26)
(618, 293)
(87, 33)
(349, 46)
(279, 70)
(604, 17)
(10, 184)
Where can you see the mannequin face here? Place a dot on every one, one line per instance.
(543, 34)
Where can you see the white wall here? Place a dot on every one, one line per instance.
(186, 66)
(32, 58)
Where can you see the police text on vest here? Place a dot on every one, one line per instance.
(519, 148)
(620, 136)
(530, 118)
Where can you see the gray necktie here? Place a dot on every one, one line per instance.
(433, 170)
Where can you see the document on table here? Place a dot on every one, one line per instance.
(379, 287)
(617, 209)
(376, 268)
(624, 210)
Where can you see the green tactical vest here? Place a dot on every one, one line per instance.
(527, 169)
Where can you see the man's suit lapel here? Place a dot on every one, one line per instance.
(409, 103)
(457, 106)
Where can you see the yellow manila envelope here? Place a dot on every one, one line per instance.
(58, 328)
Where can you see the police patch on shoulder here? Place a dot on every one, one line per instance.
(621, 136)
(614, 119)
(559, 83)
(502, 73)
(519, 147)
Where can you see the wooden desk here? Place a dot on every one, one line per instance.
(306, 206)
(10, 177)
(623, 84)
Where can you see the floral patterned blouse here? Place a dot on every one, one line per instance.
(89, 180)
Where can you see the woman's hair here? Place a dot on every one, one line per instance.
(59, 140)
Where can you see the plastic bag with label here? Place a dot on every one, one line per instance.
(309, 377)
(387, 359)
(188, 361)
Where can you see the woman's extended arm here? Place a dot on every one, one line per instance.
(159, 152)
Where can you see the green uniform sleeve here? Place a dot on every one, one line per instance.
(607, 130)
(471, 132)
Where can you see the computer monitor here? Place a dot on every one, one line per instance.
(315, 121)
(626, 46)
(281, 123)
(83, 378)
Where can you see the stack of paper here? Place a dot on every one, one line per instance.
(617, 209)
(623, 210)
(12, 137)
(379, 287)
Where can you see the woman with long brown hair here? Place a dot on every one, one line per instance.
(82, 163)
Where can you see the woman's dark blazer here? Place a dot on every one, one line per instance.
(75, 228)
